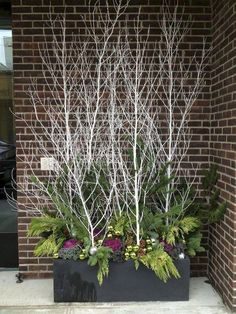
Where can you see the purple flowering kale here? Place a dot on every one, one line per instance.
(114, 244)
(70, 244)
(167, 247)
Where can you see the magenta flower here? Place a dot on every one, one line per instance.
(167, 247)
(69, 244)
(114, 244)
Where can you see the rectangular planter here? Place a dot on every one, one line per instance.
(75, 281)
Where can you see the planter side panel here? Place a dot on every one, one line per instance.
(77, 282)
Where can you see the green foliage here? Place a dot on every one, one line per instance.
(161, 182)
(58, 195)
(189, 224)
(151, 224)
(71, 253)
(217, 213)
(155, 184)
(161, 263)
(184, 219)
(136, 264)
(172, 233)
(180, 228)
(53, 228)
(101, 258)
(91, 190)
(43, 224)
(48, 246)
(213, 210)
(121, 223)
(87, 246)
(210, 177)
(193, 243)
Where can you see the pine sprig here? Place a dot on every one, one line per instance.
(214, 209)
(193, 243)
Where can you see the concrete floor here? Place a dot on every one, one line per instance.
(36, 296)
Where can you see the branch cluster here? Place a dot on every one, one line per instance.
(116, 112)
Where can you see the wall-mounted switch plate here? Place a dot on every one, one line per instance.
(47, 163)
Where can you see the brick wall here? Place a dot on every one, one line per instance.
(222, 239)
(29, 17)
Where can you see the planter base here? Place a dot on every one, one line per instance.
(75, 281)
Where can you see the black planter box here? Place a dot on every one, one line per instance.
(76, 281)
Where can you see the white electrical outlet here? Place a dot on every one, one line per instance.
(47, 163)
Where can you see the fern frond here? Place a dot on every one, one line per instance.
(49, 246)
(43, 224)
(161, 263)
(188, 224)
(172, 233)
(121, 223)
(180, 228)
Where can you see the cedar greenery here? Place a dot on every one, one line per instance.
(161, 263)
(179, 229)
(49, 246)
(51, 230)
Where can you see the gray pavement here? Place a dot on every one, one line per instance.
(36, 296)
